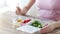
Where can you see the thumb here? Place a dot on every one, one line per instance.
(45, 25)
(18, 9)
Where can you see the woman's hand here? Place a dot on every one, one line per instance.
(19, 11)
(25, 9)
(48, 27)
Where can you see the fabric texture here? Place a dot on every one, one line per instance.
(49, 9)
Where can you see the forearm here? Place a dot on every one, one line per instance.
(28, 6)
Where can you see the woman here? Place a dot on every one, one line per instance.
(48, 9)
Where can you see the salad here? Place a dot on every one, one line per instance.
(36, 23)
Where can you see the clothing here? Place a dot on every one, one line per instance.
(49, 9)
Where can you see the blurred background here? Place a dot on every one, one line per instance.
(10, 5)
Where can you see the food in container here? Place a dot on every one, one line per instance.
(17, 22)
(36, 23)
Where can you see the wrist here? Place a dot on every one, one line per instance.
(57, 24)
(25, 10)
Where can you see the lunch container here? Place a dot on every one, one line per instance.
(26, 28)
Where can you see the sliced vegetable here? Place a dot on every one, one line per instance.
(36, 23)
(27, 20)
(19, 20)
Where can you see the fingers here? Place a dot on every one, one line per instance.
(44, 29)
(47, 28)
(45, 25)
(18, 10)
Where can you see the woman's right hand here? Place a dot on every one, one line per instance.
(23, 11)
(19, 11)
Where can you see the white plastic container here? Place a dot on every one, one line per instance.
(27, 28)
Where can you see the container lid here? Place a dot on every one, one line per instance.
(28, 29)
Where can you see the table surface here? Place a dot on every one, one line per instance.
(6, 24)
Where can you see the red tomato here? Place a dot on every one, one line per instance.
(26, 21)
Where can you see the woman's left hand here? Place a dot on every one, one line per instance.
(48, 27)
